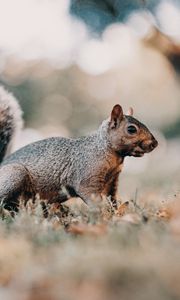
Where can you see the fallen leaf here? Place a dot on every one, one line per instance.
(164, 213)
(122, 209)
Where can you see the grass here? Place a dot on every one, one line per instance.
(91, 253)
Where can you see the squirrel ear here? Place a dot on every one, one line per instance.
(130, 112)
(116, 116)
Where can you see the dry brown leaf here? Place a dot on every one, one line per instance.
(122, 209)
(171, 210)
(164, 213)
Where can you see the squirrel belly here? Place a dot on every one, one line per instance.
(59, 168)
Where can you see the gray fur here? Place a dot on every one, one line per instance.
(86, 166)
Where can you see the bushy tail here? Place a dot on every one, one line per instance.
(10, 121)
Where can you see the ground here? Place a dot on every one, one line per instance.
(81, 252)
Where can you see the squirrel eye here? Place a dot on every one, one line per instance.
(131, 129)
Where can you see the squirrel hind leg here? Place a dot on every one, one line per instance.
(14, 182)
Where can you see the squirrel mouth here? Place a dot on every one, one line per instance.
(143, 148)
(137, 151)
(137, 154)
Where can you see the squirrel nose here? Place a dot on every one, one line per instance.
(149, 145)
(153, 144)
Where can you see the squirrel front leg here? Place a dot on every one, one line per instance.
(87, 188)
(113, 186)
(87, 197)
(86, 192)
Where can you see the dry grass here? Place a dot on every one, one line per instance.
(91, 253)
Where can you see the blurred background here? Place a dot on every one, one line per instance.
(69, 62)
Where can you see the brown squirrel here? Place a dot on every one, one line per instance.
(85, 166)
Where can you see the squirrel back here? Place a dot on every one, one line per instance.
(85, 166)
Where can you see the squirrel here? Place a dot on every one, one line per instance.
(85, 166)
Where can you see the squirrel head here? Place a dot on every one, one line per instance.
(127, 136)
